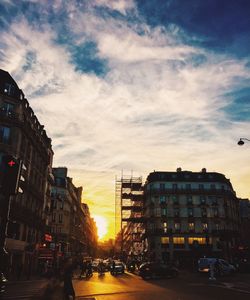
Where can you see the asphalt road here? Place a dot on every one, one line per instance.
(188, 286)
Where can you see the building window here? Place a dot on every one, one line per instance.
(199, 240)
(157, 212)
(61, 204)
(54, 217)
(162, 199)
(202, 199)
(188, 186)
(201, 187)
(163, 212)
(212, 186)
(216, 212)
(190, 212)
(191, 226)
(189, 199)
(9, 89)
(217, 226)
(204, 226)
(177, 226)
(178, 242)
(174, 186)
(175, 200)
(164, 240)
(214, 201)
(176, 212)
(4, 135)
(162, 186)
(7, 109)
(165, 227)
(54, 204)
(203, 212)
(60, 218)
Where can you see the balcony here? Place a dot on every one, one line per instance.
(9, 115)
(158, 232)
(187, 191)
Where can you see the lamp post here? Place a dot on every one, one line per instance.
(241, 141)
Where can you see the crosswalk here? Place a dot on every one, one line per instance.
(25, 290)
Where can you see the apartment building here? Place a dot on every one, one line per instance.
(190, 214)
(22, 136)
(70, 221)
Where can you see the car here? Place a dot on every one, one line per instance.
(152, 270)
(119, 267)
(224, 266)
(95, 264)
(107, 263)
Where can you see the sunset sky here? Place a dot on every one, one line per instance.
(134, 85)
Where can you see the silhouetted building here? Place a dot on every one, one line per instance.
(90, 232)
(71, 225)
(245, 223)
(190, 214)
(22, 136)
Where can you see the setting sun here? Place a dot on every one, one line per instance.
(101, 224)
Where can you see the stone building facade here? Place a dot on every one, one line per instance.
(22, 136)
(190, 214)
(70, 221)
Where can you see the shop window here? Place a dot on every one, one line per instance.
(177, 226)
(199, 240)
(191, 226)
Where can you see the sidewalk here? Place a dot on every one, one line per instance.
(35, 289)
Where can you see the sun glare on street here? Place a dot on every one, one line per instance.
(101, 224)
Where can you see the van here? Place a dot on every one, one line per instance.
(224, 266)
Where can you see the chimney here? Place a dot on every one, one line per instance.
(203, 170)
(178, 170)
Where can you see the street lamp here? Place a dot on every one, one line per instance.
(241, 142)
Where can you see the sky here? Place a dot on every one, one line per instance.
(134, 86)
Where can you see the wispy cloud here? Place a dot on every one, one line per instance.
(160, 103)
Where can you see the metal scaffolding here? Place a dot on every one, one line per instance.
(129, 219)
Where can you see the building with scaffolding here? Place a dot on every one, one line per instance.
(129, 221)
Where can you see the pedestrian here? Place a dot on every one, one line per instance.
(89, 271)
(113, 268)
(83, 266)
(68, 286)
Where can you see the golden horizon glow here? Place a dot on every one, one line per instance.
(101, 224)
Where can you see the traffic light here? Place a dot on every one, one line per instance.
(10, 174)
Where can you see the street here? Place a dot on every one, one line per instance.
(187, 286)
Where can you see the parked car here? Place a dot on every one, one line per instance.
(107, 263)
(224, 266)
(95, 264)
(152, 270)
(119, 267)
